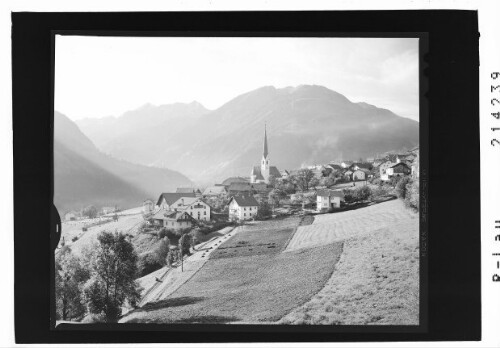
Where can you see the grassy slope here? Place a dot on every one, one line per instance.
(376, 280)
(246, 287)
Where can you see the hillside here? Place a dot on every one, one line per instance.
(83, 175)
(306, 125)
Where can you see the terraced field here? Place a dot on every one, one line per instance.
(244, 281)
(331, 228)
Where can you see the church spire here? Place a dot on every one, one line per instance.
(265, 142)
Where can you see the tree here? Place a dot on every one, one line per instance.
(272, 180)
(401, 187)
(276, 195)
(113, 270)
(286, 185)
(162, 251)
(412, 198)
(303, 179)
(185, 244)
(264, 210)
(362, 193)
(69, 277)
(90, 211)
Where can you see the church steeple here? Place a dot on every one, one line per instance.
(265, 142)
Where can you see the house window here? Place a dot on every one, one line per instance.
(244, 208)
(244, 214)
(204, 213)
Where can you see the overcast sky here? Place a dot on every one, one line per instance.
(103, 76)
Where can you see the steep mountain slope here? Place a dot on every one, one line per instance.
(83, 175)
(306, 125)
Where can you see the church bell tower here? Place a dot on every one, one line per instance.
(264, 164)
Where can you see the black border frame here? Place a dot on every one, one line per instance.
(452, 58)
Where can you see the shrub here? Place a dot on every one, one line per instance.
(148, 263)
(185, 243)
(90, 212)
(412, 198)
(362, 193)
(74, 239)
(162, 251)
(380, 191)
(401, 187)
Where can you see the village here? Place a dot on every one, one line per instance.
(271, 214)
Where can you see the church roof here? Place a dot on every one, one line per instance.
(265, 143)
(256, 171)
(274, 171)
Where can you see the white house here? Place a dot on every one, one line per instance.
(398, 169)
(243, 207)
(174, 220)
(194, 206)
(361, 174)
(328, 199)
(166, 200)
(383, 170)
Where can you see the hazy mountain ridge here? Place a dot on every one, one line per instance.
(84, 175)
(306, 125)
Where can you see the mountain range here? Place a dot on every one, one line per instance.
(306, 125)
(83, 175)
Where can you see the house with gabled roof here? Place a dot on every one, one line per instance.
(328, 199)
(166, 199)
(194, 206)
(172, 219)
(243, 207)
(361, 174)
(398, 169)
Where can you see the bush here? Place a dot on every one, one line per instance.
(90, 212)
(148, 263)
(401, 187)
(362, 193)
(380, 191)
(74, 239)
(412, 199)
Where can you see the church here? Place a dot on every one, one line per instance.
(262, 172)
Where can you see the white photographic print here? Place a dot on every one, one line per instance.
(237, 180)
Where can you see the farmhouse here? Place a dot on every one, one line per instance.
(195, 207)
(348, 175)
(167, 199)
(243, 207)
(328, 199)
(284, 174)
(398, 169)
(173, 219)
(261, 174)
(383, 169)
(361, 174)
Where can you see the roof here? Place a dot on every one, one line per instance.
(240, 186)
(257, 173)
(362, 165)
(215, 190)
(274, 172)
(163, 214)
(232, 179)
(185, 190)
(245, 200)
(397, 164)
(265, 153)
(366, 171)
(187, 200)
(171, 197)
(335, 166)
(330, 193)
